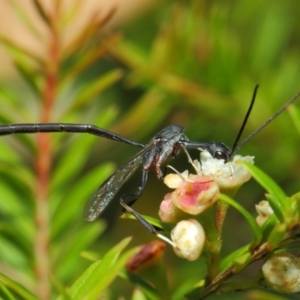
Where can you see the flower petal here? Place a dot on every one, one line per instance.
(196, 196)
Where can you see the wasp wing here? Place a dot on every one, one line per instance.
(109, 188)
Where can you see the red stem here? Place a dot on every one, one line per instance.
(43, 169)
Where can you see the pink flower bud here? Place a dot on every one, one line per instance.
(282, 273)
(189, 239)
(147, 255)
(168, 212)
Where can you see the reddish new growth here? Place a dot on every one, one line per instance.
(146, 256)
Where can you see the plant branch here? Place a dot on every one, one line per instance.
(257, 254)
(221, 277)
(43, 165)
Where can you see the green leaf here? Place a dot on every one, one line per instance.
(130, 54)
(153, 221)
(17, 174)
(29, 75)
(11, 203)
(256, 229)
(82, 62)
(296, 206)
(16, 108)
(71, 14)
(91, 89)
(12, 255)
(16, 287)
(5, 294)
(101, 273)
(63, 293)
(138, 282)
(9, 96)
(278, 200)
(227, 261)
(265, 295)
(139, 295)
(71, 162)
(79, 148)
(295, 115)
(8, 156)
(156, 105)
(42, 12)
(11, 232)
(27, 20)
(19, 52)
(195, 291)
(73, 202)
(266, 52)
(91, 255)
(268, 226)
(67, 259)
(277, 235)
(241, 262)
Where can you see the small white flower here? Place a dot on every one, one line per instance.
(189, 238)
(264, 210)
(228, 175)
(282, 273)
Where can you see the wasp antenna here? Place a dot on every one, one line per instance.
(235, 145)
(261, 127)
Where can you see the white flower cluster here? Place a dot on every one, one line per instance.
(194, 193)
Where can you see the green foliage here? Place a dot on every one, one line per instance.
(99, 275)
(189, 62)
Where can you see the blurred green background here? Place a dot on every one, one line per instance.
(193, 63)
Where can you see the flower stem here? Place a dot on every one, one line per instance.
(43, 167)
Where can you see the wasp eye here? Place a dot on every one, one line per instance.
(221, 155)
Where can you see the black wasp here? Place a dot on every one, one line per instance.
(165, 144)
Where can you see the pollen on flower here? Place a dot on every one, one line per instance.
(264, 210)
(282, 273)
(189, 238)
